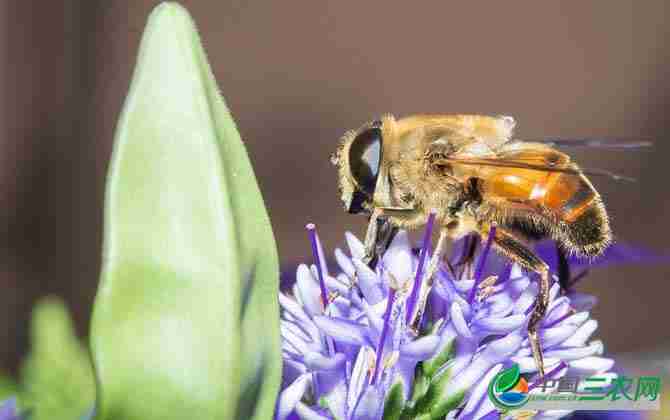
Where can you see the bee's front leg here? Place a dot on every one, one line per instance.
(371, 236)
(519, 253)
(381, 232)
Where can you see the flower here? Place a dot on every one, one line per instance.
(352, 349)
(8, 410)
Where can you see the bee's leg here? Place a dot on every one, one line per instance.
(519, 253)
(380, 232)
(427, 283)
(563, 268)
(371, 236)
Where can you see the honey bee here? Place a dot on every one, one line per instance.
(477, 179)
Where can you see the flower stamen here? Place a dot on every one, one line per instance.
(314, 239)
(411, 302)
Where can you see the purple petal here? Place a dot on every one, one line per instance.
(495, 352)
(335, 284)
(582, 301)
(582, 334)
(398, 258)
(291, 395)
(359, 375)
(460, 324)
(343, 330)
(293, 307)
(316, 361)
(356, 247)
(8, 410)
(526, 299)
(479, 393)
(527, 363)
(307, 413)
(590, 365)
(556, 335)
(307, 290)
(556, 414)
(337, 399)
(369, 282)
(500, 304)
(573, 353)
(369, 406)
(420, 349)
(291, 340)
(557, 309)
(344, 262)
(504, 325)
(463, 285)
(516, 285)
(291, 371)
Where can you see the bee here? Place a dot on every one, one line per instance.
(477, 179)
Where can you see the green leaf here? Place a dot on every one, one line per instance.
(507, 379)
(7, 387)
(186, 320)
(395, 402)
(438, 399)
(432, 365)
(56, 377)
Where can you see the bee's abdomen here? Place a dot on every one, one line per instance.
(583, 222)
(566, 206)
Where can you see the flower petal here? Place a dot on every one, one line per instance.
(307, 413)
(369, 406)
(459, 322)
(420, 349)
(478, 394)
(290, 396)
(368, 282)
(8, 409)
(307, 290)
(342, 330)
(504, 325)
(316, 361)
(344, 262)
(590, 365)
(356, 247)
(573, 353)
(582, 334)
(398, 259)
(582, 301)
(365, 360)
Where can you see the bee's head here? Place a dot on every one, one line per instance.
(358, 158)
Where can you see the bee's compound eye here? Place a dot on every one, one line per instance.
(364, 158)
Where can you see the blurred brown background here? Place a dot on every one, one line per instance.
(296, 76)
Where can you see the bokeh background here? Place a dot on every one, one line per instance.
(297, 75)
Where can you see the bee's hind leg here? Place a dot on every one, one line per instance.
(514, 249)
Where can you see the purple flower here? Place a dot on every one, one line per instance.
(8, 410)
(354, 349)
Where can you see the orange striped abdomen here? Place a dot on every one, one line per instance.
(569, 198)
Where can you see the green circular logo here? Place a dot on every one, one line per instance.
(509, 389)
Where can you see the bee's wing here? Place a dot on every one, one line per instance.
(534, 162)
(614, 143)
